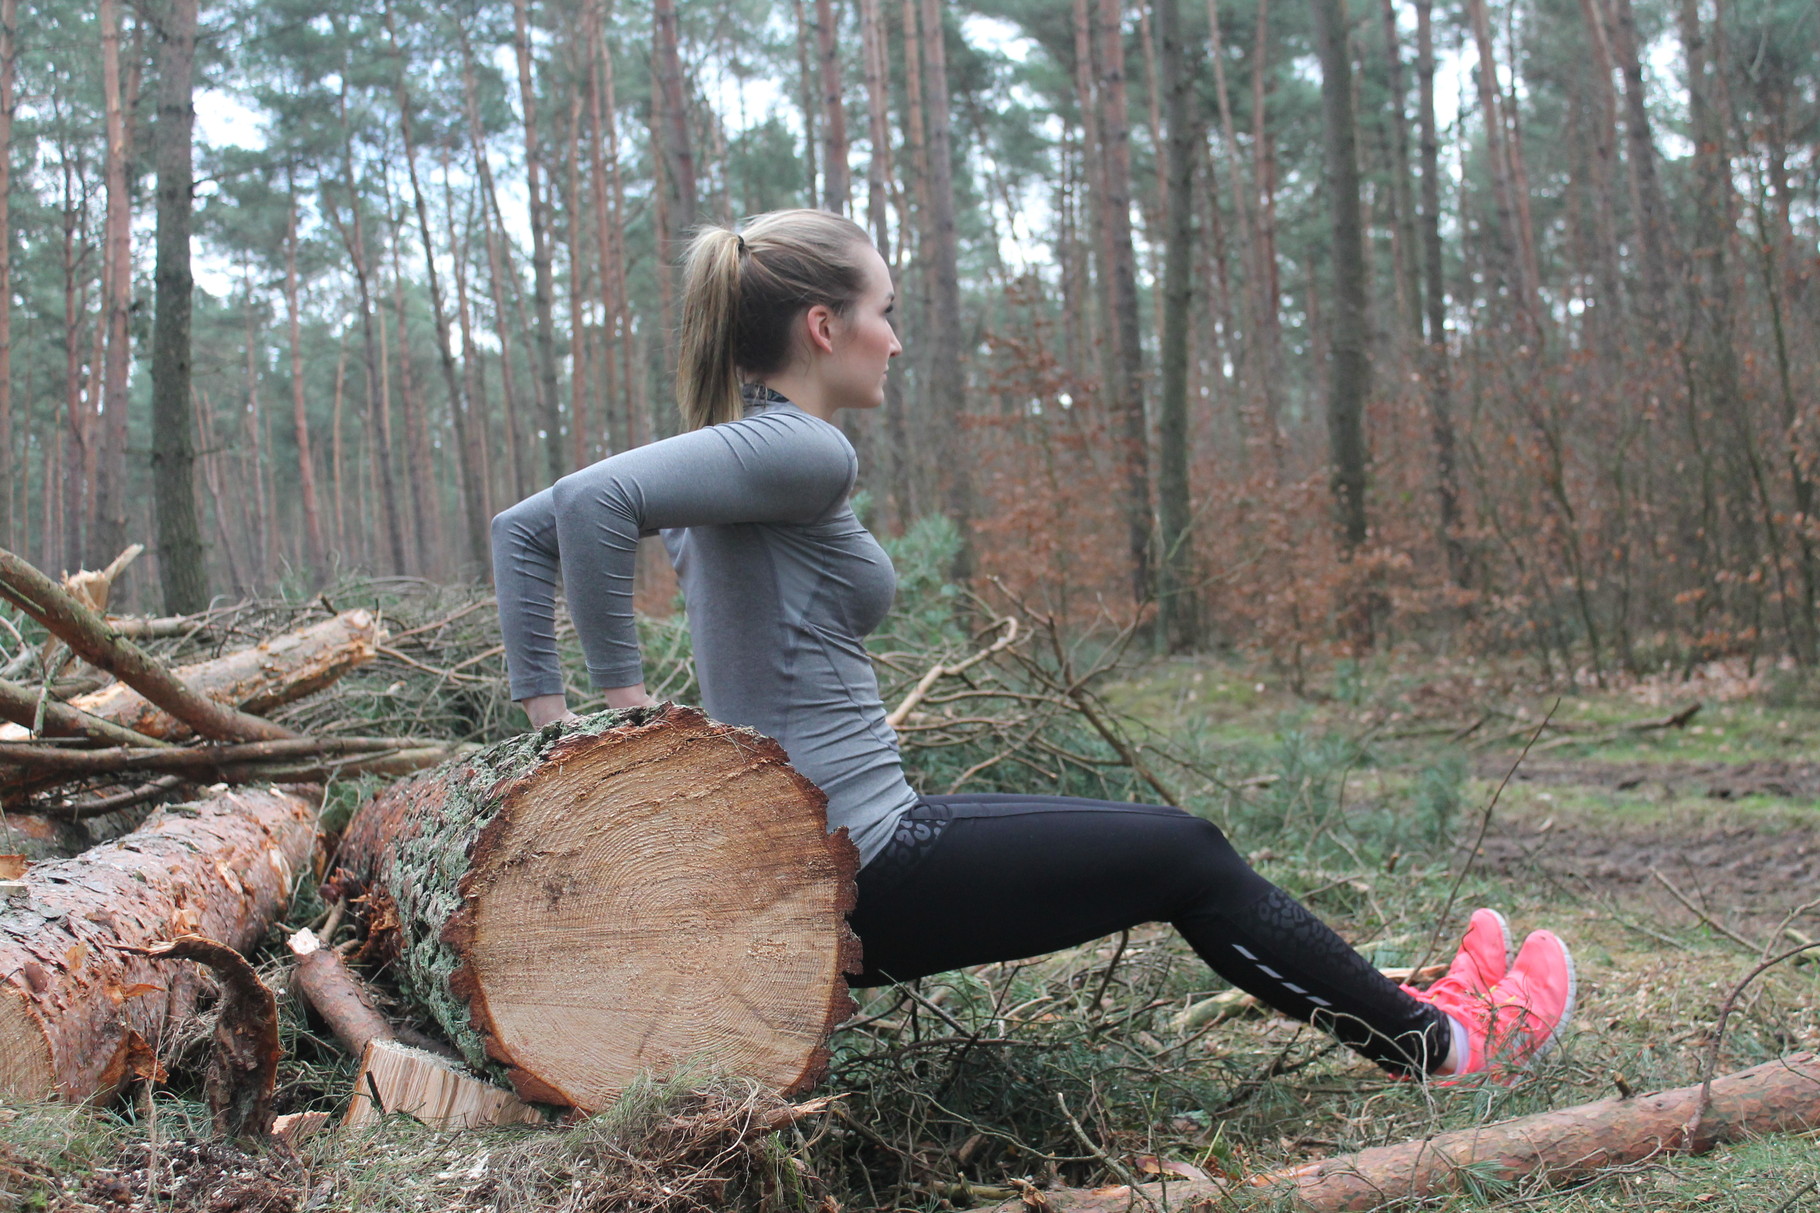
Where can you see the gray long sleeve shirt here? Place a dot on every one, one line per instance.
(780, 581)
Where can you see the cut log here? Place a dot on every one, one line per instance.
(394, 1077)
(1556, 1147)
(76, 1011)
(631, 892)
(255, 680)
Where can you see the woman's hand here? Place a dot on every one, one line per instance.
(633, 696)
(547, 709)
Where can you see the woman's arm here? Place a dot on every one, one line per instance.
(778, 466)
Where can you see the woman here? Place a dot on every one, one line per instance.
(784, 324)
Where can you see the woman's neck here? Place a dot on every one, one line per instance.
(802, 390)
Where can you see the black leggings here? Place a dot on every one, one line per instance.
(972, 880)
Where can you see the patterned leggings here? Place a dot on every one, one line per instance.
(971, 880)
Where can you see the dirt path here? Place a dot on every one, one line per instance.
(1746, 874)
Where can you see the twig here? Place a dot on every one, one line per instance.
(1484, 826)
(942, 670)
(82, 810)
(1786, 924)
(405, 659)
(445, 621)
(89, 637)
(189, 758)
(1703, 916)
(1796, 1195)
(1117, 1168)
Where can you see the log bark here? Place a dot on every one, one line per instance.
(1558, 1147)
(255, 680)
(76, 1010)
(645, 888)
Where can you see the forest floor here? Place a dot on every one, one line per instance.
(1394, 797)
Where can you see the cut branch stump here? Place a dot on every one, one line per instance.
(640, 890)
(394, 1076)
(80, 1013)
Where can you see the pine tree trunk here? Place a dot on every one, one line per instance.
(1349, 375)
(1125, 387)
(9, 18)
(1270, 336)
(1608, 305)
(117, 297)
(679, 159)
(1646, 189)
(647, 890)
(316, 547)
(1176, 598)
(1436, 369)
(946, 365)
(79, 1015)
(180, 555)
(543, 288)
(517, 456)
(836, 191)
(471, 489)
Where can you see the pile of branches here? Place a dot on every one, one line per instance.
(99, 723)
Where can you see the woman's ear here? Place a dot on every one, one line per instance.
(819, 323)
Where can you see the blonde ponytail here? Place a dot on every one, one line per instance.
(742, 292)
(707, 372)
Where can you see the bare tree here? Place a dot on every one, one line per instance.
(180, 555)
(1349, 373)
(1176, 599)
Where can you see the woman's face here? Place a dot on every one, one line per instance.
(864, 343)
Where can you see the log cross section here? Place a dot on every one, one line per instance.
(643, 890)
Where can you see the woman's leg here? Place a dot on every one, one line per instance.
(975, 879)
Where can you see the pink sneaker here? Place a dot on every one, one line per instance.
(1525, 1013)
(1464, 992)
(1483, 958)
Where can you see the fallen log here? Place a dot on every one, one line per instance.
(90, 638)
(630, 892)
(77, 1012)
(269, 674)
(1553, 1147)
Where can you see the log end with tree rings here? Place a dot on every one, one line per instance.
(644, 890)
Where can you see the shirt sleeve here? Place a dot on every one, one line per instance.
(780, 466)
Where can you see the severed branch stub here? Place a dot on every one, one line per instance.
(244, 1068)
